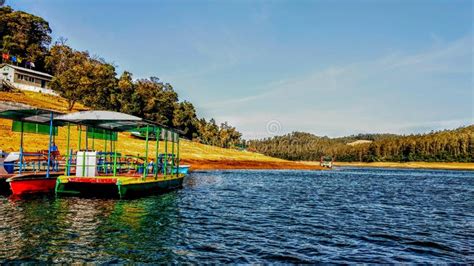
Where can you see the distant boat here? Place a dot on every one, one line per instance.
(142, 135)
(182, 169)
(326, 161)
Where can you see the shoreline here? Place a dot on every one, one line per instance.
(410, 165)
(230, 164)
(199, 156)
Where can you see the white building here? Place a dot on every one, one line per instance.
(26, 79)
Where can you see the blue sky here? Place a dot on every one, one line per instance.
(271, 67)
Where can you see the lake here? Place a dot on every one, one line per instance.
(347, 215)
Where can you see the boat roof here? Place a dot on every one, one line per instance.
(114, 121)
(109, 120)
(25, 113)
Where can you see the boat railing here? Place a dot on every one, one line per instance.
(109, 163)
(30, 162)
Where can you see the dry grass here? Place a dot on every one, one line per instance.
(10, 141)
(200, 155)
(39, 100)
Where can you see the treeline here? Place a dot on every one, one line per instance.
(90, 80)
(443, 146)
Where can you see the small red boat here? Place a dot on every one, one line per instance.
(33, 183)
(30, 172)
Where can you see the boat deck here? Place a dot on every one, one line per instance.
(120, 179)
(107, 185)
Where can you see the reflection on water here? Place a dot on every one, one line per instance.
(348, 215)
(75, 229)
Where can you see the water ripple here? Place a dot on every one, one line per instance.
(344, 216)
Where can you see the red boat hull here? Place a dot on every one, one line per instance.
(32, 185)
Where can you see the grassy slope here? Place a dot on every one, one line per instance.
(199, 155)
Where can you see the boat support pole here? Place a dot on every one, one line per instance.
(105, 152)
(87, 138)
(115, 159)
(50, 142)
(172, 152)
(68, 157)
(177, 156)
(145, 164)
(84, 155)
(80, 137)
(111, 142)
(93, 138)
(157, 146)
(165, 169)
(21, 147)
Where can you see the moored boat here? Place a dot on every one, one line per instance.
(31, 183)
(115, 174)
(182, 169)
(30, 172)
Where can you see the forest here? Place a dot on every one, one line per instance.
(442, 146)
(25, 40)
(92, 81)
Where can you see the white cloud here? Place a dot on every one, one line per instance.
(394, 93)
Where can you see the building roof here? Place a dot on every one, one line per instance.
(27, 70)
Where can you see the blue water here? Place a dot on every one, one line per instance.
(345, 215)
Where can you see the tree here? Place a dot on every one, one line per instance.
(228, 136)
(449, 145)
(103, 90)
(70, 74)
(156, 100)
(126, 94)
(77, 77)
(185, 119)
(24, 35)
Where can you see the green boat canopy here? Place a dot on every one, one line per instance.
(35, 128)
(108, 120)
(40, 116)
(99, 133)
(101, 123)
(28, 119)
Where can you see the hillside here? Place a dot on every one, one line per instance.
(443, 146)
(199, 155)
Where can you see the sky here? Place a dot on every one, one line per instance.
(330, 68)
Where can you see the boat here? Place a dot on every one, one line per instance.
(30, 172)
(182, 169)
(32, 183)
(115, 174)
(142, 135)
(326, 161)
